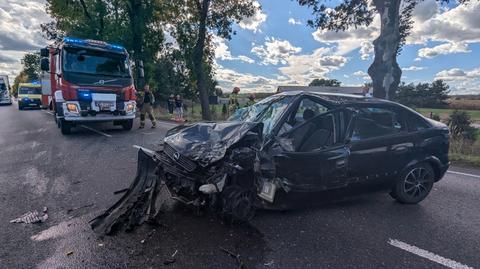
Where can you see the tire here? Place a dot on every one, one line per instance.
(65, 127)
(414, 185)
(20, 107)
(127, 125)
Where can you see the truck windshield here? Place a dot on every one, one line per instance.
(95, 62)
(3, 87)
(29, 90)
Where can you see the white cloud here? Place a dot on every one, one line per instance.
(459, 24)
(360, 73)
(351, 39)
(413, 68)
(458, 74)
(253, 23)
(19, 32)
(292, 21)
(222, 52)
(302, 69)
(229, 78)
(447, 48)
(366, 49)
(275, 51)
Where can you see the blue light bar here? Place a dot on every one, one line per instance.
(90, 42)
(84, 95)
(72, 40)
(36, 82)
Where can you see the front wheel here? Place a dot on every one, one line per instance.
(65, 126)
(414, 185)
(127, 125)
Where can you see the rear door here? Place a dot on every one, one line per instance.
(380, 145)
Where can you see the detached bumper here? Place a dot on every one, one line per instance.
(99, 117)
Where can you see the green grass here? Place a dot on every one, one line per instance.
(470, 160)
(445, 112)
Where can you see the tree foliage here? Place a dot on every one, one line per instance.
(459, 123)
(325, 82)
(30, 71)
(198, 20)
(432, 95)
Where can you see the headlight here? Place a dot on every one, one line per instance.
(72, 108)
(130, 107)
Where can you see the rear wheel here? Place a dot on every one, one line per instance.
(127, 125)
(65, 126)
(414, 185)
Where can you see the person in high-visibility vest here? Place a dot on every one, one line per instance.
(233, 104)
(146, 101)
(251, 100)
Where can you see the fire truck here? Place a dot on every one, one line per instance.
(88, 81)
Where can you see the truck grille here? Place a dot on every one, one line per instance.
(183, 161)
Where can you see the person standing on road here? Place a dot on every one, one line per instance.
(146, 101)
(233, 104)
(178, 108)
(171, 105)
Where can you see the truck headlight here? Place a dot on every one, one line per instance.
(72, 108)
(130, 107)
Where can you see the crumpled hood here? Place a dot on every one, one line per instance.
(207, 142)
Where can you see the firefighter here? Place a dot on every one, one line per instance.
(146, 101)
(251, 100)
(233, 104)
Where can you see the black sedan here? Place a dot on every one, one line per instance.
(292, 144)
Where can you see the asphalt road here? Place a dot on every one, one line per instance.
(74, 177)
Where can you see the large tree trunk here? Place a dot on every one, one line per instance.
(137, 25)
(198, 64)
(384, 71)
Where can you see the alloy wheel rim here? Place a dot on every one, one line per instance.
(417, 182)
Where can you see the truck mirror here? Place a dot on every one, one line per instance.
(44, 52)
(44, 64)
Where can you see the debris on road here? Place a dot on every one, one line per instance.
(69, 253)
(70, 210)
(171, 259)
(31, 217)
(235, 256)
(270, 263)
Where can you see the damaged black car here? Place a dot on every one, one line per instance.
(287, 145)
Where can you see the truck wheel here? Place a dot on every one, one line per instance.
(414, 185)
(127, 125)
(65, 127)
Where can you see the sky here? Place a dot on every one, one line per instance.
(275, 47)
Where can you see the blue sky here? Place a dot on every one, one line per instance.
(275, 47)
(444, 45)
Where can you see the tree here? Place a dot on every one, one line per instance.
(325, 82)
(22, 77)
(459, 123)
(202, 18)
(396, 23)
(31, 65)
(432, 95)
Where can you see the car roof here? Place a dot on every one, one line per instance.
(339, 98)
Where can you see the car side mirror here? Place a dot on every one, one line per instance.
(44, 64)
(44, 52)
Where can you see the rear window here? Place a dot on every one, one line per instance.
(29, 90)
(374, 122)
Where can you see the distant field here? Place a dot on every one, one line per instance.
(444, 113)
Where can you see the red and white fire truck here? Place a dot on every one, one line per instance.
(88, 81)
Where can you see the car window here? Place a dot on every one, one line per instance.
(307, 109)
(374, 122)
(416, 123)
(272, 114)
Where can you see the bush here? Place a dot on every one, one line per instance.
(435, 117)
(459, 123)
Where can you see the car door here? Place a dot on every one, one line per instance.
(313, 155)
(379, 144)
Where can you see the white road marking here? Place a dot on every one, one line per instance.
(428, 255)
(168, 123)
(95, 131)
(463, 174)
(149, 151)
(49, 112)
